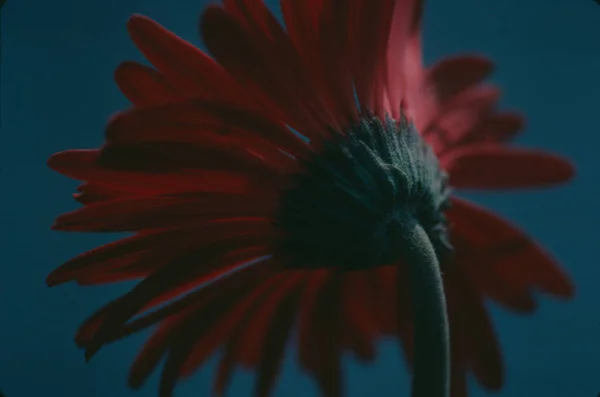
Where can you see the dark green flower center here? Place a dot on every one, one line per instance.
(349, 206)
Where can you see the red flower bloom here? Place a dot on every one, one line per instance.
(208, 171)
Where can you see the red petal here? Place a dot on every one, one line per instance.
(314, 286)
(209, 125)
(262, 67)
(360, 321)
(301, 20)
(470, 323)
(196, 325)
(319, 346)
(160, 157)
(182, 64)
(459, 116)
(236, 340)
(154, 349)
(147, 247)
(485, 126)
(110, 322)
(222, 331)
(275, 338)
(92, 193)
(224, 371)
(224, 256)
(458, 383)
(241, 280)
(475, 262)
(132, 266)
(302, 23)
(83, 165)
(206, 315)
(335, 48)
(369, 31)
(404, 55)
(214, 333)
(318, 32)
(192, 71)
(155, 212)
(269, 35)
(489, 166)
(144, 86)
(495, 127)
(459, 344)
(387, 308)
(255, 329)
(510, 255)
(404, 312)
(451, 76)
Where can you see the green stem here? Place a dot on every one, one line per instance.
(431, 333)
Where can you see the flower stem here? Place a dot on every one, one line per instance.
(431, 333)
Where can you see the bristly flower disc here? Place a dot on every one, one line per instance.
(349, 206)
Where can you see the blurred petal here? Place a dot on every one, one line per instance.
(495, 127)
(144, 86)
(500, 167)
(451, 76)
(83, 165)
(472, 329)
(508, 254)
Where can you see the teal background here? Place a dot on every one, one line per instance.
(57, 93)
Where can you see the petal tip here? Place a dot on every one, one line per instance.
(138, 23)
(568, 290)
(51, 281)
(137, 19)
(71, 159)
(55, 160)
(569, 169)
(122, 70)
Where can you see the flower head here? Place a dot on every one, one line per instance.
(265, 185)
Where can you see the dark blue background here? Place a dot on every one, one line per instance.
(57, 92)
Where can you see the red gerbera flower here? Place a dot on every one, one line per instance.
(243, 229)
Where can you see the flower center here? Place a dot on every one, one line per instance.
(349, 206)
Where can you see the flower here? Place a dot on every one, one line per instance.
(264, 185)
